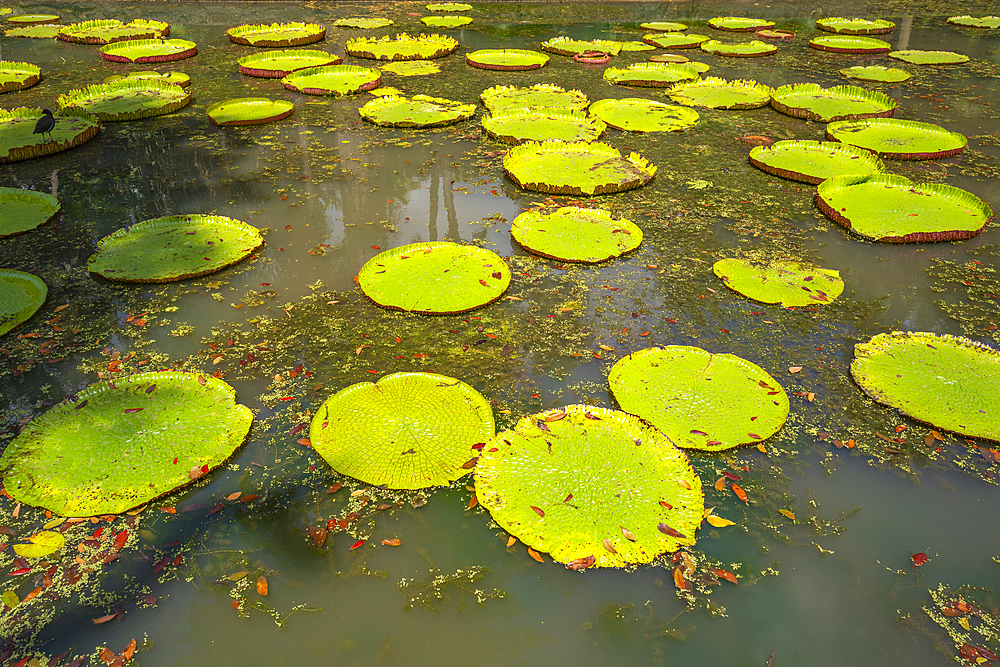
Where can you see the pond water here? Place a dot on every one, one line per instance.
(833, 587)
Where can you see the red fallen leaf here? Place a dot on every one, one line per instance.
(951, 611)
(968, 652)
(667, 530)
(991, 455)
(336, 487)
(679, 580)
(581, 563)
(534, 554)
(376, 247)
(568, 498)
(121, 539)
(728, 576)
(383, 507)
(740, 493)
(356, 545)
(538, 511)
(987, 654)
(104, 619)
(249, 497)
(352, 517)
(262, 586)
(129, 411)
(479, 446)
(731, 476)
(483, 283)
(215, 509)
(317, 534)
(664, 503)
(19, 571)
(919, 559)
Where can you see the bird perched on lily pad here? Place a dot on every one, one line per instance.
(45, 124)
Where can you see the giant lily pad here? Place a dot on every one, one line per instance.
(950, 382)
(893, 209)
(674, 40)
(149, 50)
(417, 111)
(411, 68)
(174, 78)
(812, 102)
(41, 544)
(573, 234)
(279, 64)
(716, 93)
(333, 80)
(814, 161)
(786, 282)
(277, 35)
(409, 431)
(446, 21)
(33, 19)
(437, 277)
(18, 76)
(124, 443)
(127, 99)
(566, 46)
(986, 22)
(855, 26)
(898, 139)
(848, 44)
(37, 31)
(591, 487)
(401, 47)
(538, 95)
(663, 26)
(929, 57)
(173, 248)
(109, 31)
(650, 75)
(449, 7)
(18, 142)
(22, 210)
(575, 168)
(21, 294)
(519, 124)
(876, 73)
(698, 399)
(739, 23)
(635, 114)
(752, 49)
(249, 111)
(506, 59)
(362, 23)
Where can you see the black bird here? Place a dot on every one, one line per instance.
(45, 124)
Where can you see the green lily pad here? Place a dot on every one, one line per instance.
(333, 80)
(18, 76)
(663, 26)
(855, 26)
(127, 99)
(172, 248)
(672, 40)
(33, 19)
(448, 7)
(42, 544)
(417, 111)
(411, 68)
(519, 124)
(37, 31)
(108, 31)
(575, 168)
(506, 59)
(929, 57)
(876, 73)
(401, 47)
(949, 382)
(848, 44)
(591, 487)
(174, 78)
(435, 278)
(446, 21)
(277, 35)
(22, 210)
(814, 161)
(635, 114)
(249, 111)
(149, 50)
(739, 23)
(408, 431)
(716, 93)
(633, 45)
(812, 102)
(4, 11)
(650, 75)
(893, 209)
(752, 49)
(572, 234)
(538, 95)
(364, 23)
(18, 142)
(785, 282)
(281, 63)
(124, 443)
(986, 22)
(898, 139)
(698, 399)
(566, 46)
(21, 294)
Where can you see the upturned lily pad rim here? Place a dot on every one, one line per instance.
(46, 204)
(451, 111)
(438, 46)
(446, 21)
(24, 314)
(48, 147)
(533, 148)
(131, 51)
(569, 46)
(174, 98)
(255, 64)
(33, 19)
(919, 57)
(868, 26)
(145, 28)
(772, 33)
(298, 34)
(256, 111)
(599, 107)
(739, 23)
(580, 98)
(361, 22)
(870, 73)
(306, 80)
(762, 158)
(29, 74)
(448, 7)
(762, 91)
(673, 40)
(174, 78)
(506, 59)
(958, 141)
(799, 294)
(493, 125)
(650, 75)
(663, 26)
(967, 21)
(849, 44)
(626, 230)
(783, 100)
(738, 50)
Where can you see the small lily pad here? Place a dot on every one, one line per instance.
(149, 50)
(739, 23)
(855, 26)
(814, 161)
(635, 114)
(752, 49)
(812, 102)
(21, 295)
(281, 63)
(985, 22)
(127, 99)
(519, 124)
(108, 31)
(37, 31)
(408, 431)
(333, 80)
(848, 44)
(23, 210)
(929, 57)
(663, 26)
(411, 68)
(506, 59)
(893, 209)
(650, 75)
(876, 73)
(276, 35)
(446, 21)
(566, 46)
(538, 95)
(401, 47)
(18, 75)
(41, 544)
(698, 399)
(575, 168)
(33, 19)
(435, 278)
(173, 248)
(417, 111)
(362, 23)
(448, 7)
(716, 93)
(898, 139)
(249, 111)
(19, 142)
(672, 40)
(174, 78)
(572, 234)
(784, 282)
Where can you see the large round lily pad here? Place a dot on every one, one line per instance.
(411, 68)
(174, 78)
(446, 21)
(698, 399)
(37, 31)
(277, 35)
(173, 248)
(127, 99)
(21, 294)
(663, 26)
(518, 124)
(333, 80)
(249, 111)
(567, 46)
(752, 49)
(855, 26)
(18, 76)
(849, 44)
(506, 59)
(436, 277)
(449, 7)
(124, 443)
(650, 75)
(893, 209)
(591, 487)
(876, 73)
(739, 23)
(898, 139)
(18, 142)
(812, 102)
(575, 168)
(408, 431)
(986, 22)
(416, 111)
(105, 31)
(22, 210)
(716, 93)
(950, 382)
(401, 47)
(33, 19)
(785, 282)
(538, 95)
(278, 64)
(673, 40)
(362, 23)
(635, 114)
(149, 50)
(918, 57)
(814, 161)
(572, 234)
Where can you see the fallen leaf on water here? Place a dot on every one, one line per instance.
(305, 442)
(720, 484)
(794, 369)
(234, 496)
(393, 542)
(317, 534)
(679, 581)
(718, 521)
(104, 619)
(129, 650)
(918, 560)
(534, 554)
(581, 563)
(740, 493)
(511, 541)
(473, 501)
(356, 545)
(107, 655)
(964, 622)
(262, 586)
(788, 514)
(950, 611)
(724, 574)
(236, 576)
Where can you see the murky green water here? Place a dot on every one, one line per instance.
(833, 588)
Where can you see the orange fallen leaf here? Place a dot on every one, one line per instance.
(393, 542)
(684, 483)
(720, 484)
(104, 619)
(534, 554)
(679, 581)
(473, 501)
(129, 651)
(724, 574)
(107, 655)
(794, 369)
(234, 496)
(305, 442)
(262, 586)
(511, 541)
(740, 493)
(788, 514)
